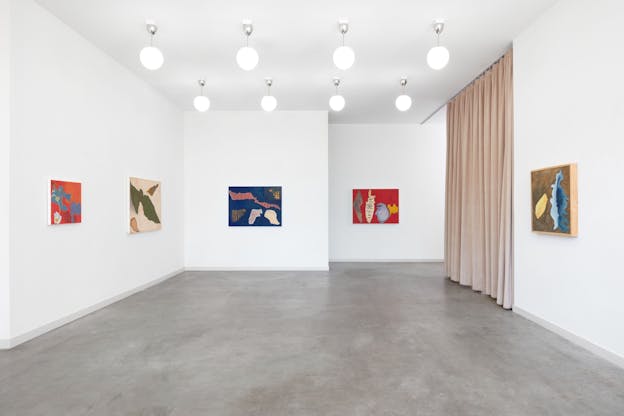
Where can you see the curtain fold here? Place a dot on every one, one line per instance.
(478, 222)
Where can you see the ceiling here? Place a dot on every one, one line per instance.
(296, 39)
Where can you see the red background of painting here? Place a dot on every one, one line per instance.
(385, 196)
(75, 190)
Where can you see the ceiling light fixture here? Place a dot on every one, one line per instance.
(337, 101)
(438, 56)
(247, 57)
(268, 103)
(201, 102)
(403, 101)
(344, 57)
(151, 57)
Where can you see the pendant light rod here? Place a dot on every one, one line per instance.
(343, 27)
(269, 82)
(151, 27)
(247, 29)
(336, 82)
(438, 28)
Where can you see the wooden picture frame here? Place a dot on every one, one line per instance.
(554, 200)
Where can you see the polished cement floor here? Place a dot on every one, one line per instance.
(363, 339)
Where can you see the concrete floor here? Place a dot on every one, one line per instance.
(363, 339)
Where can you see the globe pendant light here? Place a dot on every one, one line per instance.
(151, 57)
(403, 101)
(247, 57)
(344, 57)
(268, 103)
(201, 102)
(438, 56)
(337, 101)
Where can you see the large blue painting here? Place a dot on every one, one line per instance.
(255, 206)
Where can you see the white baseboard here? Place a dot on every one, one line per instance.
(575, 339)
(386, 260)
(257, 269)
(27, 336)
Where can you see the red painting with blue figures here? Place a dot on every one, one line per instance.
(65, 202)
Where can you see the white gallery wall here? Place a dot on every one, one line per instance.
(569, 107)
(255, 148)
(5, 163)
(78, 115)
(406, 156)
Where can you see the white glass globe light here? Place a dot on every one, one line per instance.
(151, 58)
(403, 102)
(201, 103)
(247, 58)
(337, 102)
(268, 103)
(344, 57)
(438, 57)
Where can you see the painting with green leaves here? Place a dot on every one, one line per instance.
(145, 212)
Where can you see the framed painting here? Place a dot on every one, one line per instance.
(375, 206)
(255, 206)
(145, 205)
(64, 202)
(554, 208)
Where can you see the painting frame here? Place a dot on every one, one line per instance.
(375, 206)
(570, 184)
(49, 190)
(255, 206)
(144, 225)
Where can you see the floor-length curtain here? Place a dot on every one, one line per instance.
(478, 240)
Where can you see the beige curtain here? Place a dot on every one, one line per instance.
(478, 240)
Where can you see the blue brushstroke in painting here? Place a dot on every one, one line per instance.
(559, 205)
(58, 194)
(382, 213)
(75, 209)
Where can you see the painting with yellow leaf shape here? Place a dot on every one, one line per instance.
(375, 206)
(554, 200)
